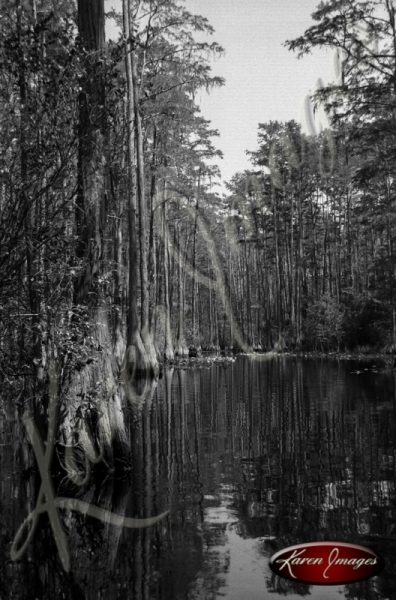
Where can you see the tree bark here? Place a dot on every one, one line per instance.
(97, 377)
(140, 358)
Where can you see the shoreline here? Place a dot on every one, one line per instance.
(209, 358)
(387, 358)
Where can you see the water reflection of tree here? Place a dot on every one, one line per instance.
(317, 460)
(179, 558)
(294, 452)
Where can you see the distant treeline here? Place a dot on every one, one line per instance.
(314, 266)
(315, 219)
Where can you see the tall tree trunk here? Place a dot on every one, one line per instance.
(278, 286)
(132, 320)
(168, 349)
(139, 361)
(151, 356)
(91, 164)
(152, 270)
(196, 346)
(391, 261)
(181, 346)
(144, 292)
(97, 377)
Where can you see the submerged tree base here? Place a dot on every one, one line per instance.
(140, 365)
(93, 418)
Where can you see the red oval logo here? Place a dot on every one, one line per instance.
(326, 563)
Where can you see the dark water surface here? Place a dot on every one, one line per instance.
(249, 458)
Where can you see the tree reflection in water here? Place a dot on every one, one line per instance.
(249, 458)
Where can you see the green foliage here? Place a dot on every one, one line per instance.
(320, 233)
(313, 227)
(324, 324)
(366, 322)
(45, 78)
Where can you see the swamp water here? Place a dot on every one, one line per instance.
(249, 458)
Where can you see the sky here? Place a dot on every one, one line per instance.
(264, 80)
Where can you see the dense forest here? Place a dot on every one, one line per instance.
(315, 218)
(118, 254)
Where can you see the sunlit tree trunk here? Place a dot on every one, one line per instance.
(143, 230)
(181, 347)
(196, 346)
(168, 350)
(140, 358)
